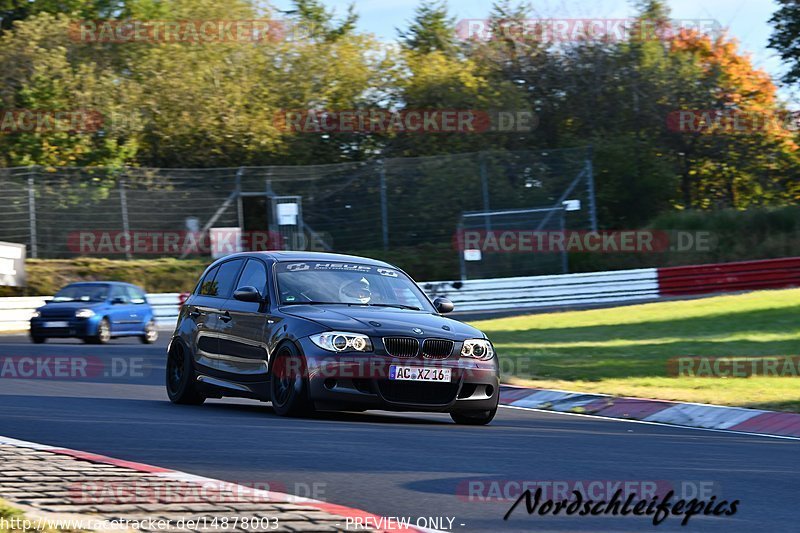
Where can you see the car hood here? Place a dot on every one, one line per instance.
(63, 306)
(381, 321)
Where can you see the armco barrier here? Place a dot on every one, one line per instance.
(509, 294)
(727, 277)
(16, 312)
(548, 291)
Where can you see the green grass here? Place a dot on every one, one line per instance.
(625, 350)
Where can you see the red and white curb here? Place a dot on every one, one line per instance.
(692, 415)
(374, 522)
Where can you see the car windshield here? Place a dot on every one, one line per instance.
(314, 282)
(82, 293)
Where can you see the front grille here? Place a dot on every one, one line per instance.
(418, 392)
(437, 348)
(62, 314)
(401, 346)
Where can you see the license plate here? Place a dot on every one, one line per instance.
(56, 324)
(419, 373)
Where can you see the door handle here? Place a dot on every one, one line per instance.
(226, 317)
(196, 313)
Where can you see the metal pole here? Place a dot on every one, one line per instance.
(239, 201)
(240, 209)
(126, 228)
(384, 208)
(32, 215)
(590, 187)
(485, 190)
(564, 253)
(462, 263)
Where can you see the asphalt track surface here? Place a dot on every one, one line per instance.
(392, 464)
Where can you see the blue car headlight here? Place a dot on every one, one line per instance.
(84, 313)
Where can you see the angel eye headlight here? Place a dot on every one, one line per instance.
(341, 341)
(480, 349)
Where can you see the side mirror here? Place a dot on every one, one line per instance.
(118, 300)
(248, 294)
(443, 305)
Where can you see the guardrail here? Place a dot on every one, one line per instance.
(509, 294)
(548, 291)
(15, 313)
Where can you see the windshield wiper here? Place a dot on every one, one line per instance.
(399, 306)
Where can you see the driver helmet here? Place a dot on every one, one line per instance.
(356, 292)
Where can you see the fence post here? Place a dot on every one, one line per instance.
(126, 228)
(239, 200)
(485, 191)
(32, 214)
(590, 187)
(384, 207)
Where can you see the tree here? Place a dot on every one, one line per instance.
(432, 30)
(786, 36)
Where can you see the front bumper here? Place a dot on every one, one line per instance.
(72, 327)
(361, 381)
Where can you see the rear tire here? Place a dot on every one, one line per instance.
(473, 418)
(289, 383)
(180, 381)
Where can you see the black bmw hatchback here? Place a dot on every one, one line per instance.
(321, 331)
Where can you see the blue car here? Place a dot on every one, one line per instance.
(95, 312)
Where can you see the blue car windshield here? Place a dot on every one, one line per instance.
(348, 283)
(82, 293)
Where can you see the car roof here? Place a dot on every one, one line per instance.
(282, 256)
(102, 283)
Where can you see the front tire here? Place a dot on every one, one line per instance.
(181, 385)
(35, 339)
(150, 333)
(473, 418)
(103, 335)
(289, 383)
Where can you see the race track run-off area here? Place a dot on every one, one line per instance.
(394, 464)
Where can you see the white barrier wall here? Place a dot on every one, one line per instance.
(15, 313)
(471, 296)
(548, 291)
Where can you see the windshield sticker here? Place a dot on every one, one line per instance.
(387, 272)
(342, 266)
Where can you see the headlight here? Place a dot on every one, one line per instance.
(477, 349)
(36, 314)
(339, 341)
(84, 313)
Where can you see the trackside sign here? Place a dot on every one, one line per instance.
(12, 264)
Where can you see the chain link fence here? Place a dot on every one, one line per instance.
(357, 207)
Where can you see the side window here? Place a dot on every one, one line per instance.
(254, 275)
(226, 277)
(136, 296)
(208, 287)
(119, 292)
